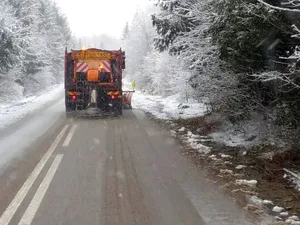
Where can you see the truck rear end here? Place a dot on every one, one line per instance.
(93, 80)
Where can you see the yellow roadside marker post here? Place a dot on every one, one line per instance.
(133, 84)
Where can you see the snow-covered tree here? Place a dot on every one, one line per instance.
(34, 35)
(8, 51)
(183, 27)
(153, 71)
(173, 19)
(138, 43)
(102, 41)
(249, 35)
(125, 31)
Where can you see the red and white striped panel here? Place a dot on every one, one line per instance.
(82, 67)
(105, 64)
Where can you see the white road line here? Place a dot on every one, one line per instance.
(14, 205)
(69, 137)
(39, 195)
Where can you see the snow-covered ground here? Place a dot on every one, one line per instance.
(23, 122)
(293, 177)
(11, 112)
(167, 108)
(164, 107)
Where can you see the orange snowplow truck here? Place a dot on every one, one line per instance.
(93, 79)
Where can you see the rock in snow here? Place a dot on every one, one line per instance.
(289, 221)
(181, 129)
(267, 202)
(226, 171)
(250, 183)
(296, 218)
(277, 209)
(284, 214)
(225, 156)
(240, 167)
(279, 219)
(256, 201)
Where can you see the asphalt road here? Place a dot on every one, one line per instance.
(106, 171)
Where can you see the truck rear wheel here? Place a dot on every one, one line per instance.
(119, 109)
(70, 108)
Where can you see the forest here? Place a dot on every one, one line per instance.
(239, 56)
(33, 36)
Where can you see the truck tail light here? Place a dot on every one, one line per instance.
(115, 97)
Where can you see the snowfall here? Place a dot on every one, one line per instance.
(162, 108)
(166, 108)
(13, 112)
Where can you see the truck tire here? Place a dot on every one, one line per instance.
(119, 110)
(70, 109)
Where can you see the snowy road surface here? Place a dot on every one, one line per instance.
(109, 171)
(23, 124)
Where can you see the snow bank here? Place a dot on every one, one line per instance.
(256, 201)
(296, 218)
(193, 141)
(250, 183)
(12, 112)
(292, 222)
(182, 129)
(246, 134)
(267, 202)
(277, 209)
(170, 107)
(294, 177)
(226, 171)
(224, 156)
(284, 214)
(229, 139)
(240, 167)
(167, 108)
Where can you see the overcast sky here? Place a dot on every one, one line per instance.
(95, 17)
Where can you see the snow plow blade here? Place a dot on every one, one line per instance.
(126, 99)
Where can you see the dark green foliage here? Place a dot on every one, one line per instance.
(173, 21)
(250, 39)
(7, 51)
(249, 35)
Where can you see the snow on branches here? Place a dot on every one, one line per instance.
(289, 6)
(33, 34)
